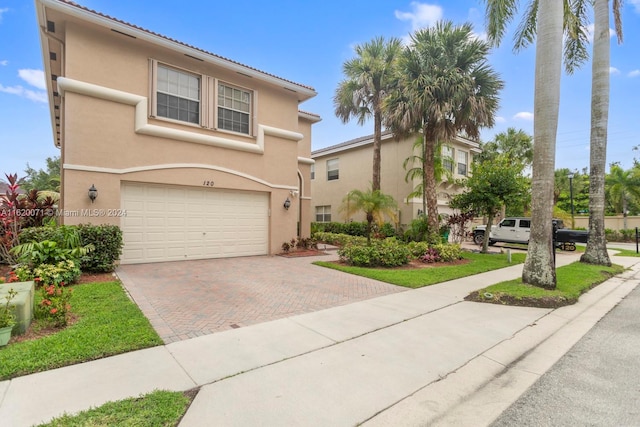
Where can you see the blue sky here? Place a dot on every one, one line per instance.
(307, 42)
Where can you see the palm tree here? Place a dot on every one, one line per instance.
(445, 87)
(415, 171)
(373, 203)
(368, 78)
(516, 145)
(596, 251)
(547, 20)
(623, 186)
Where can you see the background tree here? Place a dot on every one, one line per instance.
(623, 187)
(596, 251)
(516, 145)
(373, 203)
(42, 180)
(369, 77)
(445, 87)
(493, 184)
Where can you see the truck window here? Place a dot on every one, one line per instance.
(525, 223)
(508, 223)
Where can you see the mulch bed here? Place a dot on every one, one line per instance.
(302, 253)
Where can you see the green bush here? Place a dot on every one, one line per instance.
(381, 253)
(418, 230)
(448, 252)
(352, 228)
(417, 248)
(612, 235)
(339, 239)
(628, 235)
(67, 272)
(107, 240)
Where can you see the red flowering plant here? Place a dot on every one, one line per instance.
(55, 306)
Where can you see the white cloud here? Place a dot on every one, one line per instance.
(524, 115)
(614, 70)
(2, 11)
(636, 5)
(33, 77)
(422, 15)
(33, 95)
(500, 119)
(4, 62)
(634, 73)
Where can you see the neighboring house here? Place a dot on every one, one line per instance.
(193, 155)
(343, 167)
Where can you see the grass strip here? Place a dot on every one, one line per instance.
(572, 281)
(109, 323)
(419, 277)
(625, 252)
(157, 409)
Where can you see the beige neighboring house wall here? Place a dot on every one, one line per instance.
(355, 168)
(193, 155)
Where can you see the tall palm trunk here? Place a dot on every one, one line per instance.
(429, 183)
(596, 252)
(539, 267)
(377, 143)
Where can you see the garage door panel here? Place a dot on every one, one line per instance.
(168, 223)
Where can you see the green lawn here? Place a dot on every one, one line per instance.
(109, 323)
(572, 281)
(625, 252)
(157, 409)
(417, 278)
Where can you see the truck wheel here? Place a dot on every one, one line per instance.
(478, 238)
(492, 242)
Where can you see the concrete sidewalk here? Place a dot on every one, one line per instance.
(413, 358)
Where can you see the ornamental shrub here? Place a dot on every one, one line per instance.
(55, 305)
(67, 271)
(339, 239)
(107, 240)
(418, 248)
(382, 253)
(448, 252)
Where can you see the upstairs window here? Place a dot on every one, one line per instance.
(178, 95)
(313, 171)
(462, 163)
(447, 158)
(234, 106)
(333, 169)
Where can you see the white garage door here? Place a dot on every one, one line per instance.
(171, 223)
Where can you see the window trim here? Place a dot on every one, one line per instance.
(208, 104)
(326, 212)
(465, 163)
(217, 83)
(337, 169)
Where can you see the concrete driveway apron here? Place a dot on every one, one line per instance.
(187, 299)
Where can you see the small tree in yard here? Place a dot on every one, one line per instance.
(373, 203)
(492, 185)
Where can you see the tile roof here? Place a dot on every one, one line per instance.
(86, 9)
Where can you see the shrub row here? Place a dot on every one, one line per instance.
(352, 228)
(106, 239)
(384, 253)
(339, 239)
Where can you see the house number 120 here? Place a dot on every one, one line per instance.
(207, 183)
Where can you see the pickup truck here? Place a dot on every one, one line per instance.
(517, 230)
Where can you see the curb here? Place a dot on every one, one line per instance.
(478, 392)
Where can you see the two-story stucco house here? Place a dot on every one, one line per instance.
(193, 155)
(341, 168)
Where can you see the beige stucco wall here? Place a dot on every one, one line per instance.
(99, 136)
(611, 222)
(356, 168)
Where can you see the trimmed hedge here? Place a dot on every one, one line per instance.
(352, 228)
(106, 239)
(381, 253)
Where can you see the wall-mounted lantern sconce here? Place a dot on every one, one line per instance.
(93, 193)
(287, 204)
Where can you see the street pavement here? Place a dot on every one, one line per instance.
(597, 383)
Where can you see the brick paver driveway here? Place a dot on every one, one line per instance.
(186, 299)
